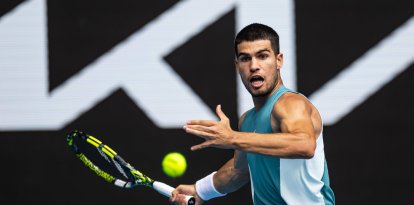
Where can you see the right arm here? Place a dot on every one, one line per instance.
(232, 175)
(235, 173)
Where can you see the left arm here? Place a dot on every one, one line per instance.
(296, 138)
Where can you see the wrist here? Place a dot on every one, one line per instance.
(205, 188)
(237, 141)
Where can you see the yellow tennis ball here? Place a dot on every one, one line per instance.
(174, 164)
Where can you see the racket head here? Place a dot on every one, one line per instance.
(105, 162)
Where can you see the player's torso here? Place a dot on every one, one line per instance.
(274, 179)
(265, 175)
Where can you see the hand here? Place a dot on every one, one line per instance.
(217, 134)
(178, 195)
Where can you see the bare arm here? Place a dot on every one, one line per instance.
(235, 173)
(296, 139)
(232, 175)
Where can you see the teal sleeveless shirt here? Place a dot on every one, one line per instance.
(285, 181)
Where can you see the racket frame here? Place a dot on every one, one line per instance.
(134, 176)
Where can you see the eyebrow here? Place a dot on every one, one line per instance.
(263, 50)
(260, 51)
(243, 54)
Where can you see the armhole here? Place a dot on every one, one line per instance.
(242, 117)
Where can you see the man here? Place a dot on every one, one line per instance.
(279, 146)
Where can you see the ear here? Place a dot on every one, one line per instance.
(279, 61)
(236, 65)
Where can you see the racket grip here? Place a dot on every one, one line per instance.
(167, 190)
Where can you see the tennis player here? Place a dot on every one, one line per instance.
(279, 147)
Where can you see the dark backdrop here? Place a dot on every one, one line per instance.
(368, 151)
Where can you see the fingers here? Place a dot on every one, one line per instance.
(203, 134)
(220, 113)
(207, 123)
(201, 146)
(198, 128)
(215, 133)
(179, 195)
(176, 197)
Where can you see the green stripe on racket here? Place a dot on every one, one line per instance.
(107, 164)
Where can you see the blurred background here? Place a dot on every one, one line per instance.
(132, 72)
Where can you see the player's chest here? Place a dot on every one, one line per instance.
(263, 123)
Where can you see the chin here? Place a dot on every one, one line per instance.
(259, 93)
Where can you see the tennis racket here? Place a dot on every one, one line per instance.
(106, 163)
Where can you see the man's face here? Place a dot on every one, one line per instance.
(258, 66)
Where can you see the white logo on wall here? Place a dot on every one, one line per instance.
(26, 104)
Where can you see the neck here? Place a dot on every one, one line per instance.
(260, 101)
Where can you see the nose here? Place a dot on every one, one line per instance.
(254, 65)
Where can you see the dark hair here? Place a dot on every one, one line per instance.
(256, 31)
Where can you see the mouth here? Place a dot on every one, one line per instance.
(256, 81)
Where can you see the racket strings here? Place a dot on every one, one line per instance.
(113, 160)
(105, 162)
(120, 169)
(99, 148)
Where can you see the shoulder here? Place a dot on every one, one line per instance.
(291, 104)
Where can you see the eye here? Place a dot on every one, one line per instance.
(244, 58)
(262, 56)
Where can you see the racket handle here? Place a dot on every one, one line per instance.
(167, 190)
